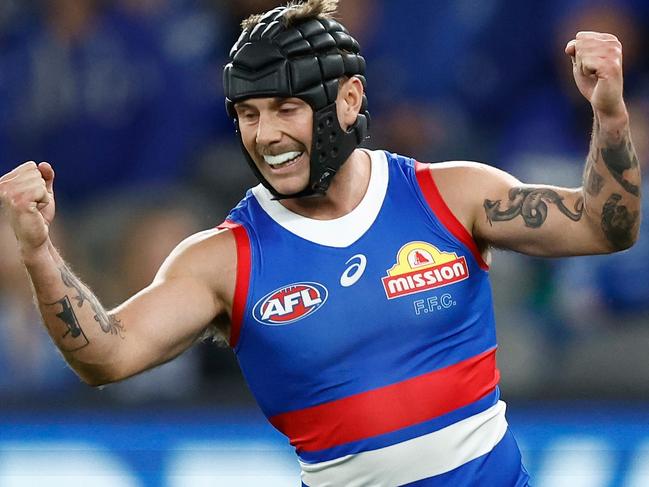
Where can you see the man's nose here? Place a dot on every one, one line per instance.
(267, 130)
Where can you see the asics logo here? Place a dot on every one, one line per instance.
(354, 272)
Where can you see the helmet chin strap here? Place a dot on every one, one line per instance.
(331, 146)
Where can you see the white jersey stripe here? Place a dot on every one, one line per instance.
(426, 456)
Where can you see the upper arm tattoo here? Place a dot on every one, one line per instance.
(532, 205)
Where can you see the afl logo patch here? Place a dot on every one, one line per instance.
(290, 303)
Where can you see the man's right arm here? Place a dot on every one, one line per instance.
(152, 327)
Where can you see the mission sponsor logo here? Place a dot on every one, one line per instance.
(421, 266)
(290, 303)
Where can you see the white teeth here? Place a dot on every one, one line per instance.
(281, 158)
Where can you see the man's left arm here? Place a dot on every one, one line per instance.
(611, 186)
(604, 214)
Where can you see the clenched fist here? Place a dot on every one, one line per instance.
(27, 197)
(597, 69)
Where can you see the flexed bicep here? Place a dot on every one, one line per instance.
(501, 211)
(185, 298)
(534, 219)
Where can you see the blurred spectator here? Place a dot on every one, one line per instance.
(547, 133)
(429, 131)
(14, 17)
(192, 35)
(91, 88)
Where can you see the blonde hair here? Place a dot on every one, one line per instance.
(297, 11)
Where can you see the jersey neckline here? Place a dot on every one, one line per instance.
(339, 232)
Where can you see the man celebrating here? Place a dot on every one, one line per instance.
(351, 284)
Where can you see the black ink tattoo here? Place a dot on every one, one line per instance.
(107, 323)
(77, 338)
(618, 222)
(619, 159)
(532, 205)
(593, 181)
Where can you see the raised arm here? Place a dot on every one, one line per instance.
(150, 328)
(601, 216)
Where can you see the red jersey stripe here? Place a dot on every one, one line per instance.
(391, 407)
(242, 279)
(444, 213)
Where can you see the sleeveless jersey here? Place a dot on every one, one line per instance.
(369, 340)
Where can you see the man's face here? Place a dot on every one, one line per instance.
(277, 134)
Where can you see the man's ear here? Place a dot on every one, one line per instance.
(349, 101)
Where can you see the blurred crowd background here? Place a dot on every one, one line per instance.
(124, 98)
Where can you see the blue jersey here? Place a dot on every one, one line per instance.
(369, 340)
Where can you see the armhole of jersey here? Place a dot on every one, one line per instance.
(443, 212)
(243, 278)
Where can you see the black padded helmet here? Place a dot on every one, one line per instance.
(304, 59)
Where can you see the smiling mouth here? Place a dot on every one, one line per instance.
(282, 160)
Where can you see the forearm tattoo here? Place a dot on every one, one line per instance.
(74, 338)
(621, 158)
(532, 205)
(619, 220)
(618, 223)
(593, 181)
(107, 323)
